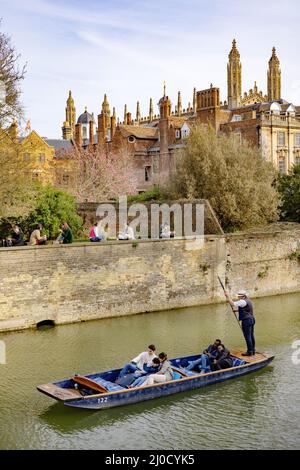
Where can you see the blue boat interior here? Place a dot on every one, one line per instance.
(108, 379)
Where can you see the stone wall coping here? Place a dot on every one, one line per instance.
(107, 243)
(241, 235)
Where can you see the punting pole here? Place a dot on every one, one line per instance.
(222, 285)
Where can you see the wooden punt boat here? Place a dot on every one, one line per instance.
(99, 391)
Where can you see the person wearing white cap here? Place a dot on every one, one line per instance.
(246, 316)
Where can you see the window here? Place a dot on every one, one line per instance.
(297, 160)
(281, 164)
(281, 139)
(65, 180)
(147, 173)
(177, 134)
(42, 158)
(26, 157)
(236, 118)
(297, 140)
(84, 132)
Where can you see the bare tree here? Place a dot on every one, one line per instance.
(11, 75)
(98, 175)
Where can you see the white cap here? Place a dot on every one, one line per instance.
(242, 293)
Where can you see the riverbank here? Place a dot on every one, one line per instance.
(84, 281)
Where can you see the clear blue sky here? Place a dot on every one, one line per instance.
(127, 48)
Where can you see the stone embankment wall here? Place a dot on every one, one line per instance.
(86, 281)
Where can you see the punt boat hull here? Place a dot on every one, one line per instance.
(62, 391)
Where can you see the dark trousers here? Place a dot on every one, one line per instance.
(248, 330)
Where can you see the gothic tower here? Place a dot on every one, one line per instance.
(69, 124)
(274, 78)
(234, 78)
(164, 126)
(179, 104)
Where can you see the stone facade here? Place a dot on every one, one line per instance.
(87, 281)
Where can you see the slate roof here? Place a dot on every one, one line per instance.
(148, 133)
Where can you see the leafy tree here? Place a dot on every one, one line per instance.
(289, 189)
(54, 206)
(232, 175)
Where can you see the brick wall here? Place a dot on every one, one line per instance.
(87, 281)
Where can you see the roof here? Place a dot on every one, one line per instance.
(149, 133)
(85, 118)
(59, 144)
(177, 122)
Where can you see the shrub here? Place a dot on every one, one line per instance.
(235, 179)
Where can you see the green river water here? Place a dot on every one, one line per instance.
(258, 411)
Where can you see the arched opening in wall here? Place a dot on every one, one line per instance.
(45, 324)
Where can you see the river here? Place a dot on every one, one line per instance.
(257, 411)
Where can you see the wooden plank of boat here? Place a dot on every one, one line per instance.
(89, 383)
(62, 394)
(249, 359)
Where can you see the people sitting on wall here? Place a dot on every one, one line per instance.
(205, 361)
(137, 363)
(17, 237)
(127, 233)
(66, 236)
(98, 233)
(165, 231)
(223, 359)
(164, 374)
(36, 238)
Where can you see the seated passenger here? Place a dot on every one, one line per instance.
(164, 374)
(127, 233)
(138, 362)
(142, 377)
(204, 362)
(223, 359)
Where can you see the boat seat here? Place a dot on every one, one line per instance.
(177, 376)
(110, 386)
(237, 362)
(98, 384)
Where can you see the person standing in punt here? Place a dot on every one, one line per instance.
(244, 307)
